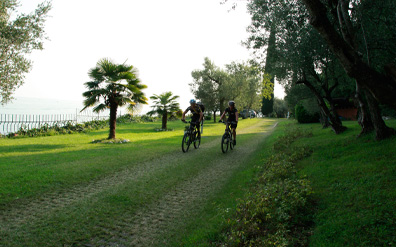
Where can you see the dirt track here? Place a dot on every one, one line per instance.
(142, 228)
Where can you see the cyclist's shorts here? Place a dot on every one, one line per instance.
(196, 120)
(234, 126)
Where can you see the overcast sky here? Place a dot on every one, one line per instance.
(164, 40)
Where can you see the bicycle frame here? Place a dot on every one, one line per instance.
(190, 137)
(227, 139)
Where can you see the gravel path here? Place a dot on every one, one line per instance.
(143, 228)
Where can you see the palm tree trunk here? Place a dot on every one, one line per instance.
(113, 120)
(164, 120)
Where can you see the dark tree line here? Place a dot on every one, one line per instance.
(333, 47)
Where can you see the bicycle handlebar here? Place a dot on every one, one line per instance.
(228, 122)
(189, 122)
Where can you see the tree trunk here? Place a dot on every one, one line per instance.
(324, 120)
(335, 121)
(214, 116)
(164, 120)
(382, 87)
(113, 120)
(222, 100)
(364, 118)
(381, 130)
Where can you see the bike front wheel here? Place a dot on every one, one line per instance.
(197, 141)
(224, 143)
(186, 142)
(231, 142)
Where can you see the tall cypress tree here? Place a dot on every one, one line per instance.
(267, 106)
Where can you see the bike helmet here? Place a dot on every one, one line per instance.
(192, 101)
(231, 103)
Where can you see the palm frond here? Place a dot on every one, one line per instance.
(154, 97)
(120, 83)
(90, 101)
(92, 84)
(99, 108)
(96, 74)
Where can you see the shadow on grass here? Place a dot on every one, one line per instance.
(127, 130)
(69, 167)
(30, 148)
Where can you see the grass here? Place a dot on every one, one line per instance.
(354, 181)
(208, 224)
(33, 168)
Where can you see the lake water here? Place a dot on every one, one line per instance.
(34, 106)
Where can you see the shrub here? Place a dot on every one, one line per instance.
(275, 212)
(303, 116)
(57, 129)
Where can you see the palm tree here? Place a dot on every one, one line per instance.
(112, 86)
(164, 105)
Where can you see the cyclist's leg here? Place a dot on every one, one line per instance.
(234, 126)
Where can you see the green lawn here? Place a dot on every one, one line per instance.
(354, 181)
(65, 191)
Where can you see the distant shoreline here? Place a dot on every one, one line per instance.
(37, 106)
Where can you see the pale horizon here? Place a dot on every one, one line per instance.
(165, 41)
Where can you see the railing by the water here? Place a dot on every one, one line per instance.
(11, 123)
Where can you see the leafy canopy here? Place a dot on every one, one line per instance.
(113, 85)
(19, 36)
(164, 103)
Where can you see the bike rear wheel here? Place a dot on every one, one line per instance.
(231, 141)
(186, 142)
(197, 141)
(224, 143)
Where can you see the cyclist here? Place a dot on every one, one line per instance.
(232, 117)
(197, 114)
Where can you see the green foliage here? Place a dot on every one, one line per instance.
(280, 108)
(165, 105)
(113, 85)
(130, 180)
(215, 86)
(127, 118)
(354, 187)
(19, 36)
(72, 128)
(68, 128)
(275, 212)
(267, 102)
(303, 116)
(267, 105)
(387, 111)
(207, 85)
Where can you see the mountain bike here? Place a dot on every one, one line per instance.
(191, 135)
(227, 139)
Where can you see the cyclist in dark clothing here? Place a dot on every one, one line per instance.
(232, 117)
(197, 114)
